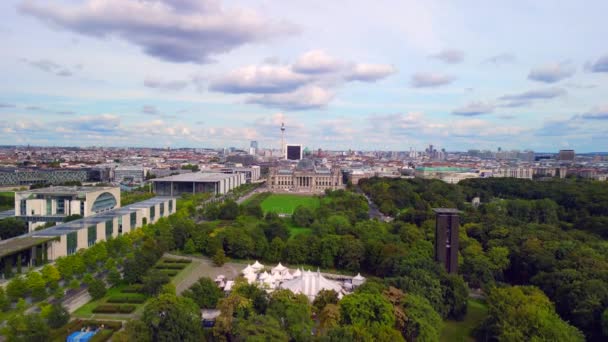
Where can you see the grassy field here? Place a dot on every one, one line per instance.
(287, 203)
(7, 200)
(86, 311)
(295, 230)
(458, 331)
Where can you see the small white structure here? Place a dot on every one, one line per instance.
(257, 266)
(358, 280)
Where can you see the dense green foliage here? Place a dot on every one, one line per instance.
(524, 232)
(11, 227)
(205, 293)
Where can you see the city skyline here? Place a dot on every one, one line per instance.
(339, 75)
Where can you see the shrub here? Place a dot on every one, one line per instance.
(177, 266)
(102, 335)
(134, 288)
(175, 261)
(97, 289)
(170, 273)
(113, 308)
(131, 298)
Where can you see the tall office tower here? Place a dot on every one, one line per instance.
(293, 152)
(566, 155)
(253, 147)
(446, 238)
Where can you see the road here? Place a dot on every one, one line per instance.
(374, 212)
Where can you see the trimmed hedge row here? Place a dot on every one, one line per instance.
(175, 261)
(102, 336)
(171, 266)
(134, 288)
(128, 298)
(170, 273)
(114, 308)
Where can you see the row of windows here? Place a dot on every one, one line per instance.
(72, 238)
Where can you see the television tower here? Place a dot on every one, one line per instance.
(282, 140)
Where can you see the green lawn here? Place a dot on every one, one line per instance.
(457, 331)
(86, 311)
(295, 230)
(287, 203)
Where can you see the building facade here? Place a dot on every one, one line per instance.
(447, 225)
(252, 174)
(514, 172)
(38, 247)
(54, 204)
(42, 176)
(197, 182)
(306, 177)
(129, 174)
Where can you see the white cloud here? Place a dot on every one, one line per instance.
(309, 97)
(370, 72)
(474, 109)
(176, 31)
(551, 72)
(317, 62)
(450, 56)
(259, 80)
(430, 80)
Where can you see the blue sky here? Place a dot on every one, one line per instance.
(381, 75)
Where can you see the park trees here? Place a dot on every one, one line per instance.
(524, 313)
(205, 293)
(293, 313)
(30, 328)
(153, 281)
(259, 328)
(97, 288)
(36, 285)
(303, 216)
(170, 318)
(57, 316)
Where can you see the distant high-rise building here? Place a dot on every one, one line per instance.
(446, 238)
(293, 152)
(253, 147)
(566, 155)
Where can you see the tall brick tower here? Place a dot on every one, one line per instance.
(446, 237)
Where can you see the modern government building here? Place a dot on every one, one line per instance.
(67, 238)
(54, 204)
(197, 182)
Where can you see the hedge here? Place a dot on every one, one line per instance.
(171, 266)
(170, 273)
(175, 261)
(134, 288)
(114, 308)
(128, 298)
(102, 336)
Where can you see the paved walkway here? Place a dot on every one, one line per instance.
(205, 268)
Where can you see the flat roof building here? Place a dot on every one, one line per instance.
(38, 247)
(197, 182)
(54, 204)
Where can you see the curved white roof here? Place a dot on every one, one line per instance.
(358, 277)
(310, 284)
(248, 270)
(279, 268)
(257, 266)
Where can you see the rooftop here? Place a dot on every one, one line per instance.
(195, 177)
(8, 247)
(65, 190)
(446, 211)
